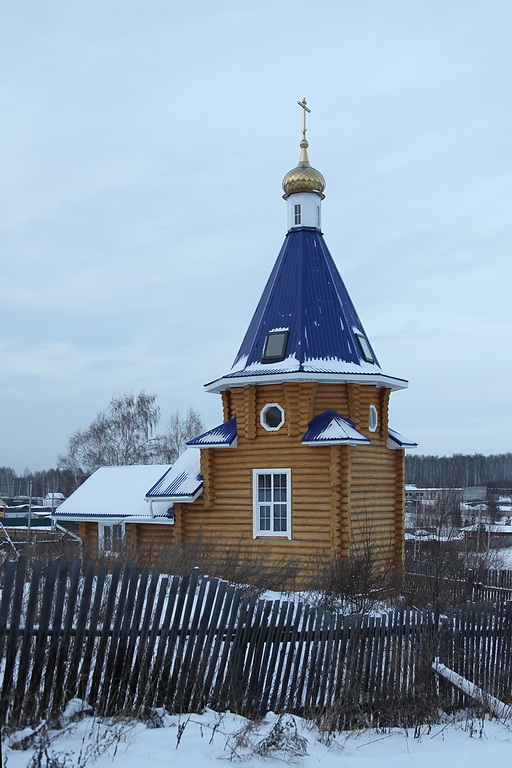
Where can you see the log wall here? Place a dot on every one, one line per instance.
(341, 495)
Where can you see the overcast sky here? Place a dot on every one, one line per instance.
(142, 148)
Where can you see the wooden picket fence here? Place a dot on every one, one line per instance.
(475, 585)
(128, 640)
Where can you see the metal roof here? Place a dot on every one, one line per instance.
(115, 493)
(306, 296)
(329, 428)
(396, 440)
(182, 482)
(223, 436)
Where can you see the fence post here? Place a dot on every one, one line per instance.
(470, 584)
(444, 640)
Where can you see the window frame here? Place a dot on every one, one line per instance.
(364, 346)
(373, 418)
(271, 532)
(297, 215)
(103, 549)
(284, 335)
(263, 413)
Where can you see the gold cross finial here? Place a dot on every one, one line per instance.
(305, 109)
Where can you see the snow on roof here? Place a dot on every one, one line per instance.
(115, 492)
(396, 440)
(223, 436)
(182, 481)
(490, 528)
(329, 428)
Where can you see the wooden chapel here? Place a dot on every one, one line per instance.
(304, 466)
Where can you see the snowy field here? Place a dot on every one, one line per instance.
(198, 741)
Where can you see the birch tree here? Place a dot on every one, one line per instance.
(123, 434)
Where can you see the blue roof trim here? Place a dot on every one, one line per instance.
(115, 516)
(222, 436)
(396, 440)
(329, 428)
(182, 482)
(306, 295)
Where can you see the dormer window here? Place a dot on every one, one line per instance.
(297, 215)
(365, 348)
(275, 346)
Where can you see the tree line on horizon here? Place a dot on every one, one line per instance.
(459, 471)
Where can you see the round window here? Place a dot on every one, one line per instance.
(373, 421)
(272, 417)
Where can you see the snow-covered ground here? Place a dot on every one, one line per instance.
(198, 741)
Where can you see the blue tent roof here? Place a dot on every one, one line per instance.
(306, 296)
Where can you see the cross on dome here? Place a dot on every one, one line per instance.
(303, 178)
(305, 108)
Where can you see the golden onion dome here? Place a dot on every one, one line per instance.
(303, 178)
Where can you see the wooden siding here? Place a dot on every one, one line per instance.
(88, 532)
(150, 542)
(302, 401)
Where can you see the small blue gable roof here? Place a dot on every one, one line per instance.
(182, 482)
(306, 297)
(329, 428)
(223, 436)
(396, 440)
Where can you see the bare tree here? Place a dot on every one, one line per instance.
(180, 430)
(120, 435)
(123, 434)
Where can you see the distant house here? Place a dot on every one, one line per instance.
(498, 535)
(53, 499)
(474, 493)
(430, 496)
(305, 466)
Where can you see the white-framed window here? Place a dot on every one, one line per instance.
(272, 492)
(272, 417)
(297, 215)
(111, 537)
(373, 421)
